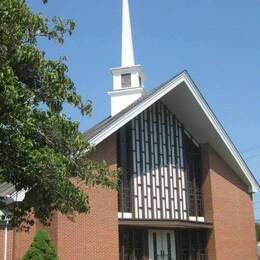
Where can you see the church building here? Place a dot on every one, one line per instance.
(185, 191)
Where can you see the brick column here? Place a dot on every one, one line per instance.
(229, 205)
(207, 200)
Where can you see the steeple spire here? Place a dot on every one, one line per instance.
(127, 41)
(128, 80)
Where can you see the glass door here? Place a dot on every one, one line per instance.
(162, 245)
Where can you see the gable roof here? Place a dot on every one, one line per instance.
(183, 98)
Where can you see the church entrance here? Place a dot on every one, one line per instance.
(161, 245)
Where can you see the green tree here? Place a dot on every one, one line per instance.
(41, 149)
(257, 227)
(41, 248)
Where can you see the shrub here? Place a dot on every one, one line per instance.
(42, 248)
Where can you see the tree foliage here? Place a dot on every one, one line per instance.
(41, 248)
(41, 149)
(257, 227)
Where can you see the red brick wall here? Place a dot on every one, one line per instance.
(229, 205)
(93, 236)
(52, 229)
(22, 241)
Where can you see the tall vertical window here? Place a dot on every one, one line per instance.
(125, 162)
(191, 245)
(126, 80)
(133, 244)
(194, 177)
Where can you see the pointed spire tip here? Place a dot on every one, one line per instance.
(127, 40)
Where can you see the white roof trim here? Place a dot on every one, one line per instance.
(183, 77)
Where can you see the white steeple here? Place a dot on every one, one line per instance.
(128, 59)
(128, 79)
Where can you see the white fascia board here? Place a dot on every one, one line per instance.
(183, 77)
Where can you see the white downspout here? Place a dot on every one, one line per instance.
(5, 240)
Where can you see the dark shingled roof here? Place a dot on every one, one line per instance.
(93, 131)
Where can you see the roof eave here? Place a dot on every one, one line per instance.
(220, 129)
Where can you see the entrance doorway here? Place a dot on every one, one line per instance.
(161, 245)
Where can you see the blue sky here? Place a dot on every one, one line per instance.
(217, 41)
